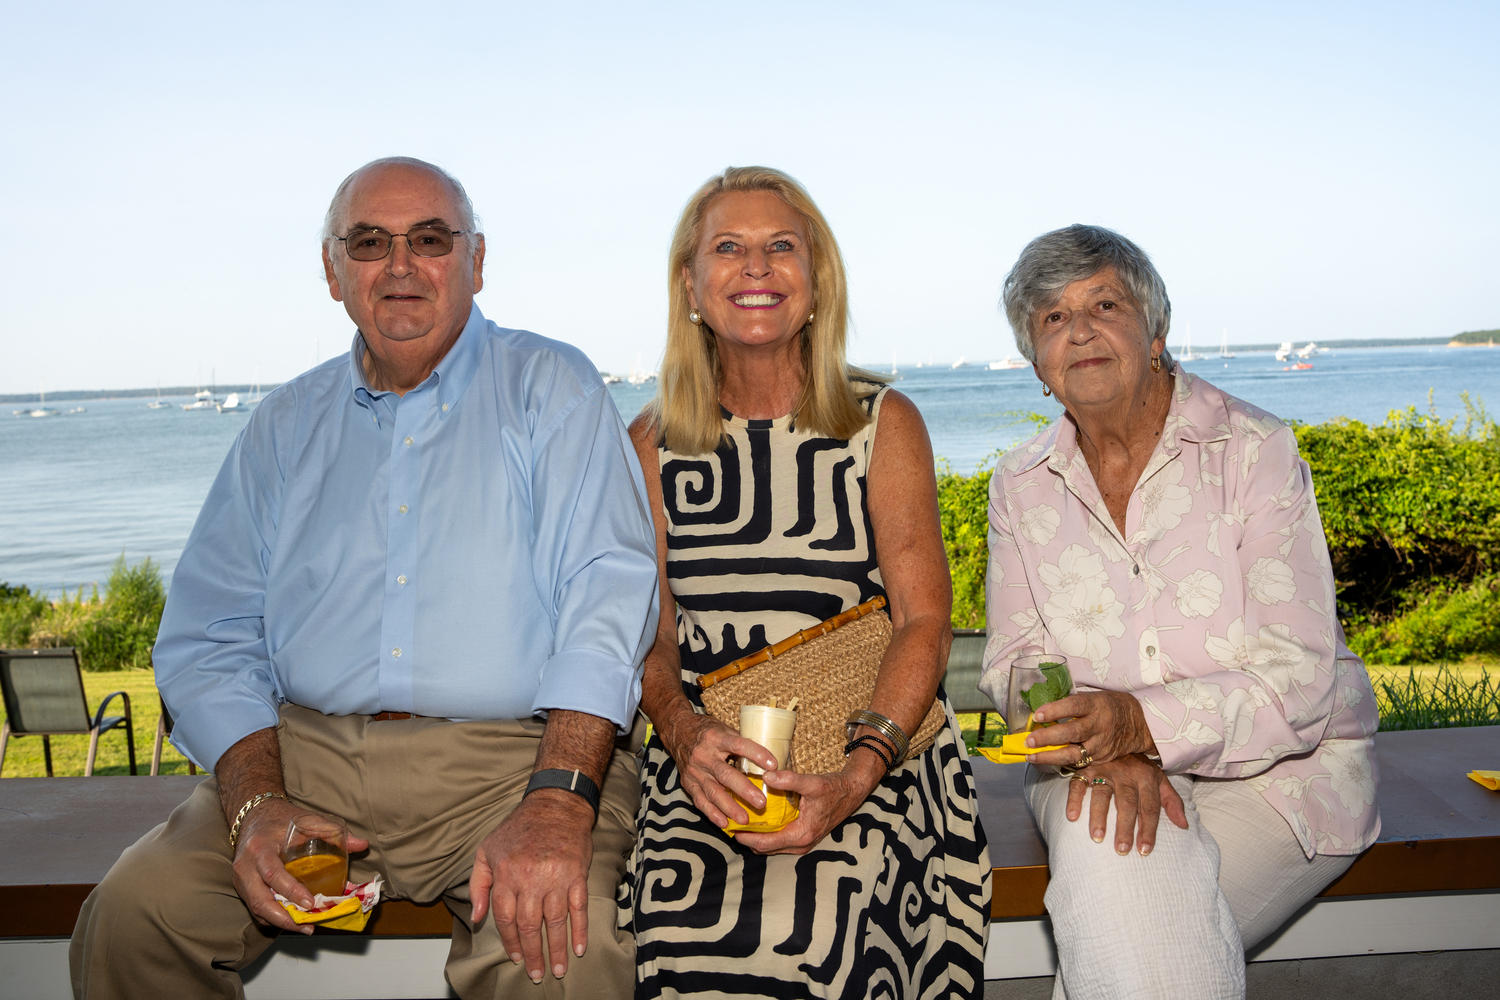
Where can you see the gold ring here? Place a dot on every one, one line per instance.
(1084, 757)
(1075, 776)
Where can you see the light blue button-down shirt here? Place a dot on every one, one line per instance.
(481, 548)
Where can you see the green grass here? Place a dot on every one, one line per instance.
(1440, 696)
(23, 755)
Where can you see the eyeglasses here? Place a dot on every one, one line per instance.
(375, 244)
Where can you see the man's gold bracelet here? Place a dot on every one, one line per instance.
(234, 831)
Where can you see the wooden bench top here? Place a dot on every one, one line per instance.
(1440, 832)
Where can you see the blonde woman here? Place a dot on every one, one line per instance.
(790, 487)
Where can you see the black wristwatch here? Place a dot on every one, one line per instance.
(574, 781)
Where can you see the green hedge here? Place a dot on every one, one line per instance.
(112, 632)
(1411, 508)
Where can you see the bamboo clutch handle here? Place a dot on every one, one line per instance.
(790, 642)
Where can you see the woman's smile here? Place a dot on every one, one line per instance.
(757, 299)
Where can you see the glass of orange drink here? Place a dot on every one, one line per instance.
(316, 853)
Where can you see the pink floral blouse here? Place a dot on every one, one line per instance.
(1215, 608)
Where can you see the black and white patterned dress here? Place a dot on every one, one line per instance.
(766, 537)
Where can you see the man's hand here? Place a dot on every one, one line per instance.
(533, 869)
(258, 871)
(250, 767)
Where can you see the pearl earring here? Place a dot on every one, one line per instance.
(810, 316)
(694, 318)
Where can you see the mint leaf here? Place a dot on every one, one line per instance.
(1058, 683)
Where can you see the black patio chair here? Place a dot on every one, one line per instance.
(961, 681)
(163, 730)
(44, 697)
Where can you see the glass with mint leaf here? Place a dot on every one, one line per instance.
(1035, 680)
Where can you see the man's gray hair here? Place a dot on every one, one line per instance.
(1055, 260)
(467, 221)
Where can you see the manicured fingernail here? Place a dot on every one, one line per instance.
(1038, 716)
(515, 956)
(1098, 836)
(558, 970)
(536, 975)
(578, 950)
(1145, 849)
(1122, 849)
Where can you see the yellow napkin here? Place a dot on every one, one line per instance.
(781, 809)
(1489, 779)
(347, 913)
(1013, 749)
(1000, 756)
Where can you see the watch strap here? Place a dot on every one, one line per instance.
(574, 781)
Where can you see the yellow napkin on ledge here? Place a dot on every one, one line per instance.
(1489, 779)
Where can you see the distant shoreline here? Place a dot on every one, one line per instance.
(188, 390)
(174, 390)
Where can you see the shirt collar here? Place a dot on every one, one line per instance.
(449, 378)
(1199, 412)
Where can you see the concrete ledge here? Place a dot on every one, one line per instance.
(1431, 883)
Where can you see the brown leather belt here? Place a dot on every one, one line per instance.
(394, 716)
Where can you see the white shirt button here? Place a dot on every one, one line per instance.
(402, 508)
(408, 440)
(396, 652)
(445, 407)
(401, 579)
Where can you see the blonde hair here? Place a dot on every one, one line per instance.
(686, 411)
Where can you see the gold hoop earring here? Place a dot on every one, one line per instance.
(1156, 363)
(1046, 389)
(694, 317)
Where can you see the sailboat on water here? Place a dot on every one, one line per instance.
(1187, 346)
(1224, 351)
(158, 403)
(42, 409)
(203, 399)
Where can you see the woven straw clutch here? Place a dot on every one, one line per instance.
(831, 669)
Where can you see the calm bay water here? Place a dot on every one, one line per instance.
(80, 489)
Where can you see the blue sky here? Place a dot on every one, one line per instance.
(1298, 171)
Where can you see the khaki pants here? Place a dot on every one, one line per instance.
(166, 921)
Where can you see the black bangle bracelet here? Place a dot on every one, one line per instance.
(878, 746)
(575, 781)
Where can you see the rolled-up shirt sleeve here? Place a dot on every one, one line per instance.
(595, 562)
(211, 662)
(1274, 688)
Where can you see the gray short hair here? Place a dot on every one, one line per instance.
(467, 221)
(1054, 260)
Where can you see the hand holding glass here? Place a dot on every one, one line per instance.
(1035, 680)
(316, 853)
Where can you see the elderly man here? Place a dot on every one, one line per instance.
(413, 555)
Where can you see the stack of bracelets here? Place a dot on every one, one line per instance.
(892, 749)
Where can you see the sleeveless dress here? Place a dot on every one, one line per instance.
(766, 536)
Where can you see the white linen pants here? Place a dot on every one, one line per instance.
(1175, 923)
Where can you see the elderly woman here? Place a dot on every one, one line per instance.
(1164, 537)
(792, 487)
